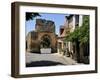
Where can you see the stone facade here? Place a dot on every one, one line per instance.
(71, 23)
(44, 29)
(43, 25)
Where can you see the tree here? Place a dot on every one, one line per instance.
(80, 36)
(31, 16)
(84, 36)
(81, 33)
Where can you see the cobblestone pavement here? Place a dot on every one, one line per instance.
(55, 57)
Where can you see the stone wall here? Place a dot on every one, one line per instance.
(44, 25)
(42, 28)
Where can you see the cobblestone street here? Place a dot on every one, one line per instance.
(56, 58)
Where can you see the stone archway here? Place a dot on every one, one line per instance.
(45, 41)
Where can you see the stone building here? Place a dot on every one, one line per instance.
(71, 23)
(44, 32)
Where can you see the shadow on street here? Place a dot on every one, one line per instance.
(43, 63)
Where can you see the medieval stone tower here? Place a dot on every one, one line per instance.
(43, 36)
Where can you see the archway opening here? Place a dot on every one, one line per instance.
(45, 41)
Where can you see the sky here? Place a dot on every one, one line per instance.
(59, 20)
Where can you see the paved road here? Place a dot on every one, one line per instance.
(56, 57)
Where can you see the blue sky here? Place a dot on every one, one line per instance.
(59, 19)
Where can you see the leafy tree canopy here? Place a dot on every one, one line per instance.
(81, 33)
(31, 16)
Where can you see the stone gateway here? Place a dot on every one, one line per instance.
(43, 36)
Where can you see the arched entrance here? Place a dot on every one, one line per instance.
(45, 41)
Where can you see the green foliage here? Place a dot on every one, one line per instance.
(81, 33)
(45, 43)
(31, 16)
